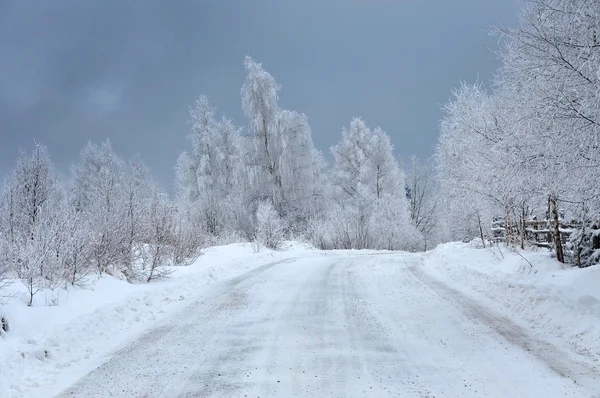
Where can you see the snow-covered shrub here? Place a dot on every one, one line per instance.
(4, 267)
(157, 255)
(318, 234)
(269, 226)
(188, 239)
(75, 247)
(230, 236)
(155, 262)
(36, 261)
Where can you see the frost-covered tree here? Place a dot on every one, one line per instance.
(423, 200)
(10, 225)
(369, 192)
(464, 165)
(391, 224)
(353, 180)
(302, 170)
(137, 192)
(76, 244)
(100, 181)
(157, 252)
(30, 221)
(282, 165)
(208, 176)
(477, 159)
(259, 102)
(5, 270)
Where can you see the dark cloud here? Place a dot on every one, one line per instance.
(74, 71)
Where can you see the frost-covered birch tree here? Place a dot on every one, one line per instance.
(157, 252)
(100, 180)
(208, 177)
(283, 166)
(422, 193)
(137, 191)
(260, 105)
(31, 220)
(370, 207)
(302, 170)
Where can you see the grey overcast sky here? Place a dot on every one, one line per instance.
(80, 70)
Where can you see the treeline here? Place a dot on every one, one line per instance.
(529, 147)
(262, 184)
(110, 217)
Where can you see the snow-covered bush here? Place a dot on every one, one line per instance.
(318, 233)
(229, 236)
(188, 239)
(76, 248)
(157, 254)
(269, 226)
(5, 267)
(391, 227)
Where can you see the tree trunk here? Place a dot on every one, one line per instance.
(557, 240)
(523, 227)
(30, 291)
(265, 137)
(507, 226)
(481, 231)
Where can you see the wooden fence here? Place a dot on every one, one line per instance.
(539, 232)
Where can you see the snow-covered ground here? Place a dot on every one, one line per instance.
(67, 334)
(341, 325)
(456, 321)
(554, 300)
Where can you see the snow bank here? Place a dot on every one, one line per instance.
(551, 298)
(64, 334)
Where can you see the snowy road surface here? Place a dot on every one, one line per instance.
(339, 326)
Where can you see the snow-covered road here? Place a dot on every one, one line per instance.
(339, 326)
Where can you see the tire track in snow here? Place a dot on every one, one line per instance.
(382, 359)
(253, 363)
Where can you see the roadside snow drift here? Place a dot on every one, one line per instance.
(551, 298)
